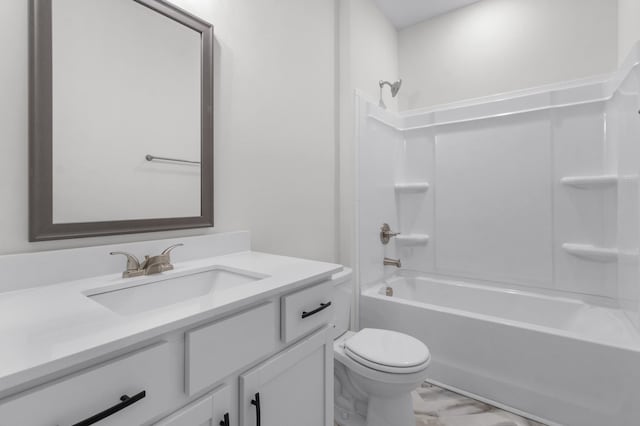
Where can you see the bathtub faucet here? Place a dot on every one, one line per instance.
(386, 234)
(392, 262)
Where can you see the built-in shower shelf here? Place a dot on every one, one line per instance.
(596, 181)
(412, 239)
(412, 187)
(590, 252)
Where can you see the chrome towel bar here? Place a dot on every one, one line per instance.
(150, 157)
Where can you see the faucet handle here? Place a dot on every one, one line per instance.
(159, 263)
(169, 249)
(133, 264)
(386, 234)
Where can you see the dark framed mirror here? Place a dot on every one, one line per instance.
(120, 118)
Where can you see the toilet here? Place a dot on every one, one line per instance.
(375, 370)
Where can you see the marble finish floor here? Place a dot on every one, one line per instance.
(435, 406)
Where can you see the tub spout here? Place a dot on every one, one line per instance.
(392, 262)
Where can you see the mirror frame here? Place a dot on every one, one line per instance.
(41, 226)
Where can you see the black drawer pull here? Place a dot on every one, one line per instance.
(126, 401)
(322, 307)
(256, 402)
(225, 421)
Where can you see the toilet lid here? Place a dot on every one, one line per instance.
(386, 348)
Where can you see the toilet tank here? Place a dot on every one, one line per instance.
(342, 298)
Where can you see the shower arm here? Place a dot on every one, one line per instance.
(381, 103)
(394, 87)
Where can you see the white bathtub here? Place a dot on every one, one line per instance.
(558, 360)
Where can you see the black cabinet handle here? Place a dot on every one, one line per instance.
(126, 401)
(322, 307)
(256, 402)
(225, 421)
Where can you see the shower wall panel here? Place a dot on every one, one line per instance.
(378, 150)
(624, 133)
(582, 215)
(493, 200)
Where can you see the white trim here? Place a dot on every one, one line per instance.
(590, 252)
(596, 181)
(412, 187)
(488, 116)
(412, 239)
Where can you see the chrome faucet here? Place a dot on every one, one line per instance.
(386, 234)
(392, 262)
(151, 264)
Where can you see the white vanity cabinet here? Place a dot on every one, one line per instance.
(293, 388)
(210, 410)
(276, 352)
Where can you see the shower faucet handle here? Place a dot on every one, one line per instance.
(386, 234)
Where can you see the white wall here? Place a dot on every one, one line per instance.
(368, 54)
(373, 49)
(275, 134)
(628, 26)
(496, 46)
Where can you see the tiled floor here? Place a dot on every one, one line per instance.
(435, 406)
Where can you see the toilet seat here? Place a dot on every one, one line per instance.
(387, 351)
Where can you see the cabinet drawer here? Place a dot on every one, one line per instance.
(75, 398)
(306, 310)
(216, 350)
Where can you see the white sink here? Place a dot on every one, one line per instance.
(170, 290)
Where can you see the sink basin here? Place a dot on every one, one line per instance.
(167, 291)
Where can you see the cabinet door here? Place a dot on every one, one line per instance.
(293, 388)
(210, 410)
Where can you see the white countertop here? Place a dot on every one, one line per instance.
(47, 329)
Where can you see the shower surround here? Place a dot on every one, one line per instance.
(519, 217)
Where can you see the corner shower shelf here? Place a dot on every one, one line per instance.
(412, 187)
(590, 252)
(596, 181)
(412, 239)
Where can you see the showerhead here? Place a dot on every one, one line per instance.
(395, 86)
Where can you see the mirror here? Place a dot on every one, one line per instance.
(121, 118)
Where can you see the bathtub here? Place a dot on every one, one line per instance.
(556, 360)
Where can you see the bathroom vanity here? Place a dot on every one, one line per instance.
(229, 337)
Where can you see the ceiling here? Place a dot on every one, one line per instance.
(403, 13)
